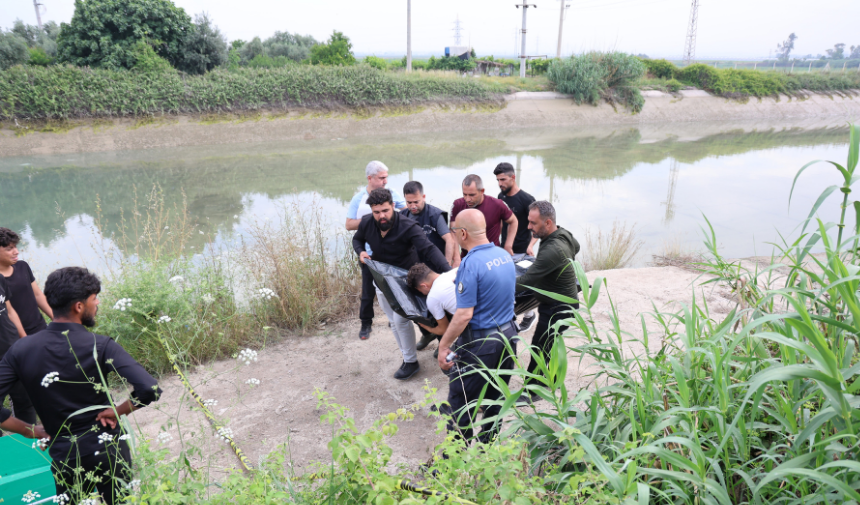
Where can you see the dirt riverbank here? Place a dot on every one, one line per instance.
(672, 113)
(358, 374)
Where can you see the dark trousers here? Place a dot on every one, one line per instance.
(368, 291)
(544, 337)
(22, 407)
(467, 387)
(113, 465)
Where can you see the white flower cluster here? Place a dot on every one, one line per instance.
(266, 294)
(30, 496)
(62, 499)
(176, 279)
(225, 434)
(164, 437)
(122, 304)
(246, 356)
(207, 298)
(90, 501)
(164, 319)
(133, 484)
(42, 443)
(210, 403)
(105, 438)
(253, 382)
(50, 378)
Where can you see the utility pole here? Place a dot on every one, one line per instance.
(525, 7)
(560, 27)
(36, 4)
(690, 46)
(409, 36)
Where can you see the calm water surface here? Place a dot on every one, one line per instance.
(662, 184)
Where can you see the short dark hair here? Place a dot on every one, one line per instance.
(67, 286)
(8, 237)
(504, 168)
(413, 188)
(545, 209)
(473, 179)
(379, 196)
(417, 274)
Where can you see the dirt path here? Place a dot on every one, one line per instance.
(358, 374)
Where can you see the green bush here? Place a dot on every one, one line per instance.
(376, 62)
(674, 85)
(290, 45)
(13, 50)
(39, 58)
(592, 76)
(203, 48)
(66, 91)
(745, 83)
(266, 61)
(147, 61)
(450, 63)
(700, 75)
(337, 51)
(102, 33)
(662, 69)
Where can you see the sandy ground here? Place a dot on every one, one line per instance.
(358, 374)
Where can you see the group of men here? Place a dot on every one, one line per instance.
(56, 371)
(465, 268)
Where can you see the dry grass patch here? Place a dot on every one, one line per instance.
(615, 249)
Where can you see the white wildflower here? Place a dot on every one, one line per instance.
(125, 437)
(207, 298)
(122, 304)
(30, 496)
(225, 434)
(265, 294)
(164, 319)
(133, 484)
(105, 438)
(166, 227)
(61, 499)
(50, 378)
(235, 216)
(247, 356)
(164, 437)
(210, 403)
(176, 278)
(90, 501)
(253, 382)
(201, 232)
(42, 443)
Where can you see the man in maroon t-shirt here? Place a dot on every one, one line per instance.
(494, 210)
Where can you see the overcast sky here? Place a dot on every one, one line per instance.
(727, 28)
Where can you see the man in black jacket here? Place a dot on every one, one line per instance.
(551, 271)
(63, 369)
(397, 241)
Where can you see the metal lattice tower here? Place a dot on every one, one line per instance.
(457, 29)
(690, 46)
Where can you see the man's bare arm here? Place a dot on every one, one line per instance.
(441, 326)
(41, 301)
(512, 234)
(352, 224)
(13, 316)
(531, 248)
(452, 252)
(458, 324)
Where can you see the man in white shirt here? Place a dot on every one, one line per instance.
(441, 296)
(377, 177)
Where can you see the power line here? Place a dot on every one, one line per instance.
(690, 45)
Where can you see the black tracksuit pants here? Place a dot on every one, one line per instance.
(368, 292)
(113, 465)
(544, 337)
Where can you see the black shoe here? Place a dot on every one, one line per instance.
(528, 322)
(366, 328)
(523, 400)
(436, 353)
(534, 397)
(426, 339)
(406, 371)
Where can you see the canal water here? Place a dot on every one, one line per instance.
(662, 183)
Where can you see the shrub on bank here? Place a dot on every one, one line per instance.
(592, 76)
(66, 91)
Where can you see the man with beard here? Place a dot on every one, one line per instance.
(63, 369)
(495, 212)
(432, 219)
(518, 201)
(552, 271)
(396, 241)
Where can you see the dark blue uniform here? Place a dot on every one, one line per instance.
(486, 280)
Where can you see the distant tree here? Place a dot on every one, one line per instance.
(204, 47)
(237, 44)
(251, 50)
(472, 53)
(337, 51)
(784, 49)
(13, 50)
(376, 62)
(292, 45)
(44, 39)
(837, 53)
(855, 53)
(103, 32)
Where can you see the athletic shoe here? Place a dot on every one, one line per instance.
(528, 321)
(366, 328)
(426, 339)
(406, 371)
(436, 353)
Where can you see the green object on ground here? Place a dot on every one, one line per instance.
(24, 469)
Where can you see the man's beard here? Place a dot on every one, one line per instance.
(506, 190)
(384, 225)
(88, 320)
(538, 235)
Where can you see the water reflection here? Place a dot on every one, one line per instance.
(661, 181)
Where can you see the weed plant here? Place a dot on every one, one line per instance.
(615, 249)
(594, 76)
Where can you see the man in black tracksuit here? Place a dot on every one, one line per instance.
(551, 271)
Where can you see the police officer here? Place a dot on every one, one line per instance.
(484, 320)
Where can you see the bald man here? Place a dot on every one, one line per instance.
(483, 322)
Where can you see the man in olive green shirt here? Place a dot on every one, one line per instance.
(551, 271)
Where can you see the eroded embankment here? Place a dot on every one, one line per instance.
(521, 110)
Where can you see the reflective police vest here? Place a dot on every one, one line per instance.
(428, 220)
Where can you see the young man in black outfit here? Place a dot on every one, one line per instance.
(9, 335)
(518, 201)
(23, 288)
(60, 367)
(397, 241)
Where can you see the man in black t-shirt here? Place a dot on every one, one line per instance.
(21, 403)
(518, 201)
(23, 288)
